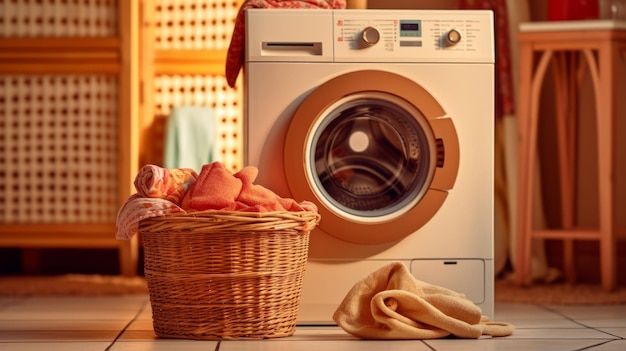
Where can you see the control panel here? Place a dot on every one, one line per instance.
(407, 35)
(302, 35)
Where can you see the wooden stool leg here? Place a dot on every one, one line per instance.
(569, 260)
(608, 263)
(530, 88)
(522, 237)
(566, 88)
(605, 97)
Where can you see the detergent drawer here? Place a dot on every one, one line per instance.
(459, 275)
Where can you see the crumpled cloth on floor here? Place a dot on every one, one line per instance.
(391, 303)
(235, 55)
(162, 191)
(218, 189)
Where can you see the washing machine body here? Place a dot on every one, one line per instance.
(385, 120)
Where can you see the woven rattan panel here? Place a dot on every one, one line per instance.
(194, 24)
(58, 18)
(58, 149)
(213, 92)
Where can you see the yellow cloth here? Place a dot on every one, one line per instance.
(391, 304)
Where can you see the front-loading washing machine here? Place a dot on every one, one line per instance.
(385, 120)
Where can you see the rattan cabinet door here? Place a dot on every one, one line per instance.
(68, 113)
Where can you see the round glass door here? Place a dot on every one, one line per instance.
(371, 157)
(375, 151)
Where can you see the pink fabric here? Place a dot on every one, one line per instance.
(159, 191)
(235, 56)
(169, 184)
(138, 208)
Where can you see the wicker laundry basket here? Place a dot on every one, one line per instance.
(226, 275)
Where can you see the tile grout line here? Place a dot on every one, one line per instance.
(617, 337)
(594, 346)
(127, 325)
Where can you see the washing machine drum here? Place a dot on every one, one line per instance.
(375, 151)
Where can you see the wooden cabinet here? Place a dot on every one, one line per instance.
(85, 88)
(68, 99)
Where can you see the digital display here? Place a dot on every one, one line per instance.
(410, 28)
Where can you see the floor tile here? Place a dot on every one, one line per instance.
(617, 345)
(57, 335)
(590, 312)
(125, 324)
(560, 333)
(47, 324)
(55, 346)
(320, 333)
(164, 345)
(505, 344)
(326, 345)
(77, 308)
(595, 316)
(139, 329)
(619, 332)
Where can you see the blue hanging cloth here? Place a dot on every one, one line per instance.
(189, 137)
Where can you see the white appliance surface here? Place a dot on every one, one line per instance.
(289, 53)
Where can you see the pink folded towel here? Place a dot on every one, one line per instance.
(235, 55)
(391, 304)
(218, 189)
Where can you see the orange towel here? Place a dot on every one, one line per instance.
(235, 55)
(257, 198)
(218, 189)
(215, 189)
(391, 304)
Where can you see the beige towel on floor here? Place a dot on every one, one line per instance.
(391, 304)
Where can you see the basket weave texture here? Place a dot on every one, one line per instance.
(224, 274)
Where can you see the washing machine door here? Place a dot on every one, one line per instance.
(375, 151)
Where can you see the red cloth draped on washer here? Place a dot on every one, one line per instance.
(235, 56)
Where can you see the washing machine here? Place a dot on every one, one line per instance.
(385, 120)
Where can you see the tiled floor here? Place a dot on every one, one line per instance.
(124, 323)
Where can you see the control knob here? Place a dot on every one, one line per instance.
(453, 37)
(370, 36)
